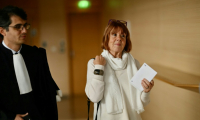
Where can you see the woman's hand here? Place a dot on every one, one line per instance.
(147, 85)
(99, 60)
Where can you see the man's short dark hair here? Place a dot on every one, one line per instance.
(7, 12)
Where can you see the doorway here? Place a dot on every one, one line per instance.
(84, 44)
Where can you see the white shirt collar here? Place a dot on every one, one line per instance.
(10, 48)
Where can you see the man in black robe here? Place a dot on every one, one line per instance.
(27, 89)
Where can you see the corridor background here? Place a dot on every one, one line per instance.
(163, 32)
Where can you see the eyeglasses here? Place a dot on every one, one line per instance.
(121, 21)
(21, 27)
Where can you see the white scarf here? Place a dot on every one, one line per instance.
(112, 93)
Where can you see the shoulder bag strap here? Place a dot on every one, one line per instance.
(97, 109)
(88, 103)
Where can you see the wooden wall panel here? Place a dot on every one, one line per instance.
(53, 32)
(164, 32)
(172, 103)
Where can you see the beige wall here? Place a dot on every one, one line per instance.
(172, 103)
(53, 31)
(164, 32)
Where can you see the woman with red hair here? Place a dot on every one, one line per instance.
(108, 77)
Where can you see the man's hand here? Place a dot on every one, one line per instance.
(19, 116)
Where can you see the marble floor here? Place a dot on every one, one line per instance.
(74, 108)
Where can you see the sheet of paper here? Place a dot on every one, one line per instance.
(144, 72)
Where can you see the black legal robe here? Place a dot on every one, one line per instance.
(40, 103)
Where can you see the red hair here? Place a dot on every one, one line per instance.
(115, 25)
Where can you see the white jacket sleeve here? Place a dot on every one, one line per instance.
(145, 98)
(95, 85)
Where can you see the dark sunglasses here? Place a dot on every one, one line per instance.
(121, 21)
